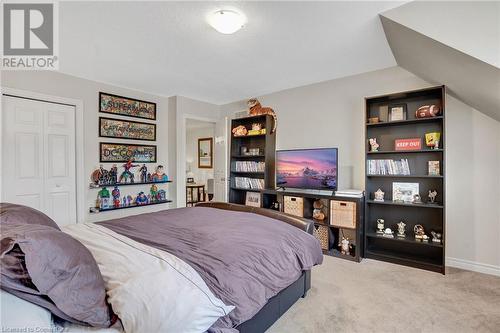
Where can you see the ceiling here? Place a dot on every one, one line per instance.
(167, 48)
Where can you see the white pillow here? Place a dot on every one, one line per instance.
(22, 316)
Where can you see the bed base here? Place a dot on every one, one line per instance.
(277, 305)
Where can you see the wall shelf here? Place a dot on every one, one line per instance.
(407, 239)
(127, 184)
(131, 206)
(407, 122)
(404, 176)
(392, 203)
(406, 151)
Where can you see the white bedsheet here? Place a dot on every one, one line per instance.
(150, 290)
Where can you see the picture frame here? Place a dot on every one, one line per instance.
(404, 192)
(110, 152)
(398, 112)
(252, 199)
(205, 153)
(125, 106)
(125, 129)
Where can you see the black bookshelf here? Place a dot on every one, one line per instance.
(406, 251)
(266, 143)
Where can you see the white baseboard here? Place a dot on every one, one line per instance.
(473, 266)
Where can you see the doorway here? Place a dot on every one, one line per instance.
(200, 157)
(39, 156)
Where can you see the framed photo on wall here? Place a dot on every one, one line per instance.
(252, 199)
(205, 153)
(123, 129)
(124, 106)
(122, 152)
(397, 112)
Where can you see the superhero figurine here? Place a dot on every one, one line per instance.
(153, 192)
(116, 197)
(103, 196)
(159, 175)
(141, 199)
(127, 174)
(144, 173)
(113, 174)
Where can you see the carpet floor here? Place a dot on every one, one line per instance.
(375, 296)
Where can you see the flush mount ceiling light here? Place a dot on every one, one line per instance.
(226, 21)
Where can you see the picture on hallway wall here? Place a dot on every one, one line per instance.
(124, 106)
(116, 128)
(122, 152)
(205, 154)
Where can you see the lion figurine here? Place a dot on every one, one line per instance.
(256, 109)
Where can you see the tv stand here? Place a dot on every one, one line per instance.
(269, 198)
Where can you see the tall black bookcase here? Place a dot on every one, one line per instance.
(266, 145)
(407, 250)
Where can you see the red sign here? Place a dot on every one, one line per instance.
(408, 144)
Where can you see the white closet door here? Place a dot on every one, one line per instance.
(38, 162)
(221, 158)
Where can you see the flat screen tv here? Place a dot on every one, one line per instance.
(307, 168)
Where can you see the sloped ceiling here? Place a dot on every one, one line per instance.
(467, 63)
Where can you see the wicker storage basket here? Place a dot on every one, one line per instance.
(294, 206)
(343, 214)
(322, 233)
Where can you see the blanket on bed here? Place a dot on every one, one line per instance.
(244, 258)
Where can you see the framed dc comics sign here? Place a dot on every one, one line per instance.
(124, 106)
(122, 152)
(123, 129)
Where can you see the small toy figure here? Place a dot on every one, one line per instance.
(344, 248)
(379, 195)
(417, 199)
(318, 210)
(150, 199)
(150, 178)
(127, 174)
(101, 176)
(420, 233)
(103, 196)
(113, 174)
(116, 197)
(401, 229)
(161, 195)
(373, 144)
(124, 201)
(159, 175)
(144, 173)
(432, 197)
(141, 199)
(388, 232)
(153, 191)
(380, 226)
(129, 200)
(436, 237)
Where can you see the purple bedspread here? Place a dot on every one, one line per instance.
(244, 258)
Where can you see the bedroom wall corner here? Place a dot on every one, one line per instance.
(67, 86)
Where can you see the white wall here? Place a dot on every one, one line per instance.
(57, 84)
(192, 136)
(472, 188)
(331, 114)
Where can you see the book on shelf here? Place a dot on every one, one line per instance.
(249, 183)
(350, 193)
(249, 166)
(388, 167)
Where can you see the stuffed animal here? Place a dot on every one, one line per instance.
(318, 210)
(240, 131)
(255, 109)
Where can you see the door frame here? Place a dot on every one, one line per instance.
(79, 139)
(181, 154)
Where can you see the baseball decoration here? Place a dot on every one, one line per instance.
(428, 111)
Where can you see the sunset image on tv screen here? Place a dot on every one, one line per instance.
(308, 169)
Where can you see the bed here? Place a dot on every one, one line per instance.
(236, 268)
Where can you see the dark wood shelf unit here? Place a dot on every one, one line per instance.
(266, 143)
(269, 196)
(406, 251)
